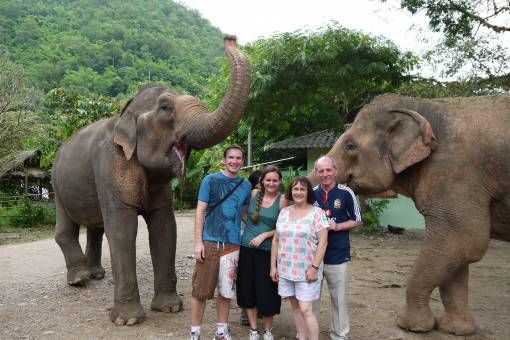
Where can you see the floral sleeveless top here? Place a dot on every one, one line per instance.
(297, 242)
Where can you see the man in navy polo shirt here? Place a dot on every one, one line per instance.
(343, 213)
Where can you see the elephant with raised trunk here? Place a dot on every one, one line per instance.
(452, 157)
(113, 170)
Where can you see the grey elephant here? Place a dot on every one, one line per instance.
(452, 157)
(113, 170)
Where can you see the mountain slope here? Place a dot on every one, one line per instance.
(109, 47)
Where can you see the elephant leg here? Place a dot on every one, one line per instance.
(454, 293)
(451, 243)
(93, 251)
(120, 226)
(66, 236)
(416, 315)
(162, 241)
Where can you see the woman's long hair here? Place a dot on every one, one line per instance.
(260, 195)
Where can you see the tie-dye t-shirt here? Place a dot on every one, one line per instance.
(297, 242)
(223, 224)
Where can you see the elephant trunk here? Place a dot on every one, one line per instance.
(209, 128)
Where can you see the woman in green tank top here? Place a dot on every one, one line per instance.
(256, 292)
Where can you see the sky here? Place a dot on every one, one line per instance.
(249, 20)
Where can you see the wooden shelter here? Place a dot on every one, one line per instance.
(25, 169)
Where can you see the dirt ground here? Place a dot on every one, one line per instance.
(36, 303)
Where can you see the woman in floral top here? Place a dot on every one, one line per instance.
(296, 255)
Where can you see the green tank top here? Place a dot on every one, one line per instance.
(267, 222)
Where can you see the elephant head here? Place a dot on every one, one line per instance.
(160, 126)
(385, 139)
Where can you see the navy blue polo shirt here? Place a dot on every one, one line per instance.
(341, 204)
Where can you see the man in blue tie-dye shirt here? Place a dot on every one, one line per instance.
(221, 199)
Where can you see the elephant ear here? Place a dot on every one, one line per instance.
(124, 133)
(410, 138)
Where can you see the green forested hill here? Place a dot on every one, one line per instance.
(109, 47)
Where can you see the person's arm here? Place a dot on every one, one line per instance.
(354, 213)
(347, 225)
(274, 253)
(199, 230)
(313, 270)
(257, 240)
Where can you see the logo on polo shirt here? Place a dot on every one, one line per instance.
(337, 204)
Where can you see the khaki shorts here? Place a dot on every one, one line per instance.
(205, 275)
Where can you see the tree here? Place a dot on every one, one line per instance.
(58, 42)
(17, 108)
(66, 113)
(303, 82)
(473, 31)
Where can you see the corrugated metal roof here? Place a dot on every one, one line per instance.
(320, 139)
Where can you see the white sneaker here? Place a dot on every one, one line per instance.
(223, 336)
(254, 335)
(194, 336)
(268, 335)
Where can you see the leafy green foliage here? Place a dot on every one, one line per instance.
(371, 222)
(104, 47)
(67, 113)
(473, 31)
(18, 99)
(289, 174)
(30, 214)
(460, 18)
(431, 88)
(303, 82)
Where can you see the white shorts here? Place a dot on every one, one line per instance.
(302, 290)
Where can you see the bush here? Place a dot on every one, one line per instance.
(371, 223)
(30, 214)
(288, 175)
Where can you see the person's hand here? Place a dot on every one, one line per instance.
(257, 241)
(311, 274)
(274, 274)
(199, 252)
(332, 224)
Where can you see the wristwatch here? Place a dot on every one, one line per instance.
(315, 267)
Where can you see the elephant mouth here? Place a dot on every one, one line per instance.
(360, 187)
(181, 151)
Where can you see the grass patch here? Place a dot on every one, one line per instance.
(12, 235)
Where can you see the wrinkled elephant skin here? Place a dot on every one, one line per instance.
(452, 157)
(113, 170)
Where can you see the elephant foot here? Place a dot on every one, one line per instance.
(96, 272)
(127, 314)
(457, 324)
(167, 302)
(78, 276)
(416, 320)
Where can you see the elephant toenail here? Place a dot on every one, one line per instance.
(120, 322)
(131, 322)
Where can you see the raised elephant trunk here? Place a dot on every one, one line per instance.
(210, 128)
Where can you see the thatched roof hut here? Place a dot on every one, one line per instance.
(26, 164)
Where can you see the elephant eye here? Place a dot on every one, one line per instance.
(350, 146)
(166, 107)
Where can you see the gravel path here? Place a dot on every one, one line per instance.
(36, 303)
